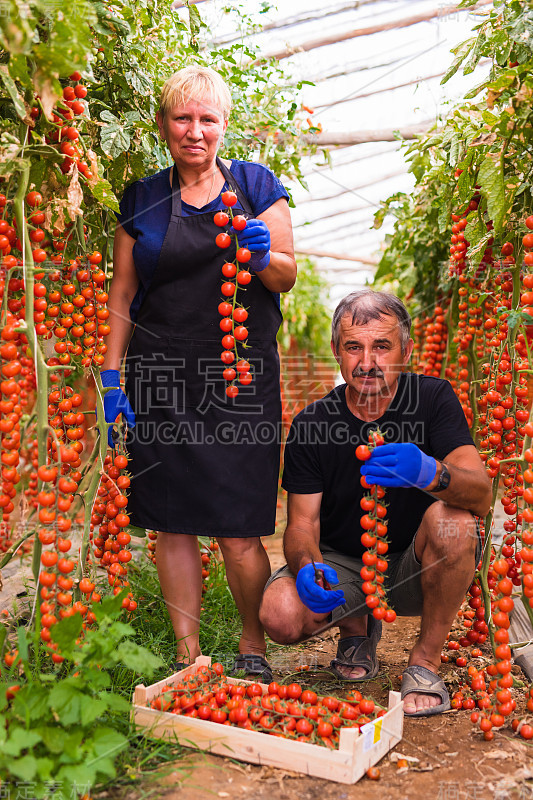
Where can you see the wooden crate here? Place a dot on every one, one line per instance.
(357, 751)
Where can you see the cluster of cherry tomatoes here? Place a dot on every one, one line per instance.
(109, 513)
(17, 385)
(233, 314)
(488, 360)
(209, 558)
(66, 295)
(64, 133)
(280, 710)
(374, 538)
(430, 336)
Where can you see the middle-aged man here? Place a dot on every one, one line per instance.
(435, 482)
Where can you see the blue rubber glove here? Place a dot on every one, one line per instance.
(314, 596)
(115, 402)
(402, 464)
(256, 237)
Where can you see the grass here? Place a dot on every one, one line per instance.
(147, 759)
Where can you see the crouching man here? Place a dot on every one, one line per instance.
(435, 483)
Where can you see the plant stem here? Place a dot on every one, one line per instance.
(41, 370)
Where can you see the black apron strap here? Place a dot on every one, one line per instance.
(234, 186)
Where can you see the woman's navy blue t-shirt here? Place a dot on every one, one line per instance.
(146, 206)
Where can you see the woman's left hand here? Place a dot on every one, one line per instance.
(272, 230)
(255, 236)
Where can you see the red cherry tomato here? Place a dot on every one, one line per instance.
(223, 240)
(239, 222)
(240, 315)
(229, 198)
(363, 452)
(221, 219)
(243, 255)
(34, 199)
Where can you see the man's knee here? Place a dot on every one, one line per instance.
(450, 531)
(279, 614)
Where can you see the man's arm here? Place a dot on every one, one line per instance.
(302, 534)
(469, 486)
(301, 546)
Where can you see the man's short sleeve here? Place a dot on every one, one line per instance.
(449, 428)
(302, 472)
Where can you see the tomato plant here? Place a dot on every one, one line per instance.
(461, 250)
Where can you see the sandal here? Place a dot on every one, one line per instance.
(423, 681)
(359, 651)
(253, 665)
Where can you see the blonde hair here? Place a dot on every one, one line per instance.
(195, 83)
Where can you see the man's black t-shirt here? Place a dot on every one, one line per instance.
(320, 456)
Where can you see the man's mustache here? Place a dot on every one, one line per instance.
(371, 373)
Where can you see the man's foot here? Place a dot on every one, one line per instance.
(356, 658)
(423, 692)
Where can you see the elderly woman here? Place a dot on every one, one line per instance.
(203, 463)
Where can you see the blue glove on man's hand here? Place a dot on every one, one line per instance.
(314, 596)
(115, 402)
(402, 464)
(256, 237)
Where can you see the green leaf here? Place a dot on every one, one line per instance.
(73, 776)
(490, 178)
(138, 658)
(31, 702)
(505, 80)
(489, 117)
(105, 766)
(132, 116)
(476, 90)
(103, 192)
(107, 116)
(65, 700)
(66, 631)
(91, 708)
(72, 746)
(476, 250)
(17, 32)
(115, 702)
(24, 768)
(133, 530)
(195, 21)
(11, 88)
(106, 743)
(461, 52)
(465, 185)
(45, 766)
(53, 738)
(19, 739)
(139, 80)
(476, 54)
(114, 140)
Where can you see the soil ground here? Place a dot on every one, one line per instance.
(452, 761)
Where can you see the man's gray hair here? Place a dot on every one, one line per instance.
(366, 304)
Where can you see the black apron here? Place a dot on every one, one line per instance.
(202, 463)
